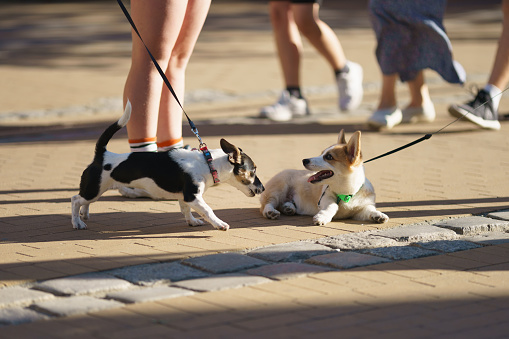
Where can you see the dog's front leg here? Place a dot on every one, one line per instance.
(328, 209)
(206, 212)
(186, 211)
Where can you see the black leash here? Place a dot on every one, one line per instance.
(203, 146)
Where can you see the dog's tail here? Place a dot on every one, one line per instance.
(100, 146)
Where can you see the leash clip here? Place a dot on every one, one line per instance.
(206, 153)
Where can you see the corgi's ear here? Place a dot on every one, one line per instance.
(353, 149)
(233, 152)
(341, 137)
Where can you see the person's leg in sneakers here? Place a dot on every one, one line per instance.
(348, 74)
(289, 46)
(483, 109)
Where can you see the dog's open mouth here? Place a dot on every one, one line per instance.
(322, 175)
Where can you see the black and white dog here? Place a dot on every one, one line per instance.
(177, 174)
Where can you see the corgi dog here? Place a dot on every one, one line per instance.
(176, 174)
(333, 187)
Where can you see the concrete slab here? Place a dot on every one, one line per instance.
(161, 273)
(490, 238)
(283, 271)
(448, 246)
(148, 294)
(66, 306)
(346, 260)
(400, 252)
(474, 225)
(83, 284)
(501, 215)
(221, 282)
(224, 262)
(294, 251)
(357, 241)
(414, 233)
(19, 315)
(16, 296)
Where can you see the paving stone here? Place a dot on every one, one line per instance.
(66, 306)
(224, 262)
(19, 315)
(148, 294)
(490, 238)
(414, 233)
(294, 251)
(15, 296)
(400, 252)
(282, 271)
(474, 225)
(83, 284)
(346, 260)
(501, 215)
(163, 273)
(357, 241)
(448, 246)
(221, 282)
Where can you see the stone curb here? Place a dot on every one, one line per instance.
(142, 283)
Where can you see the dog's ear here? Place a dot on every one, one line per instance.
(234, 153)
(341, 137)
(353, 149)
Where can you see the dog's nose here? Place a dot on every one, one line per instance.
(305, 161)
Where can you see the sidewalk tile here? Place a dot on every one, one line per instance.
(83, 284)
(294, 251)
(148, 294)
(220, 282)
(346, 260)
(287, 270)
(223, 262)
(75, 305)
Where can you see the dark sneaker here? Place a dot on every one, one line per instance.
(479, 111)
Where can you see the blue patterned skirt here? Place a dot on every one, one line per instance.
(411, 37)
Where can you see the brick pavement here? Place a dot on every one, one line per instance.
(455, 174)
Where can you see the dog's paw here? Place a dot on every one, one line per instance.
(379, 217)
(320, 220)
(222, 226)
(289, 208)
(78, 224)
(195, 222)
(270, 213)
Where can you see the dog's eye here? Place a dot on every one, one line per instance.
(328, 156)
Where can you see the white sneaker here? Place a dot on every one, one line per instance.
(425, 113)
(285, 108)
(388, 117)
(350, 87)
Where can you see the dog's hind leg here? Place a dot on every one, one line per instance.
(84, 212)
(186, 211)
(289, 208)
(76, 203)
(200, 206)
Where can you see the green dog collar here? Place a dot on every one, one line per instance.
(344, 197)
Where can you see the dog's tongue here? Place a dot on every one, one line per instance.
(320, 176)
